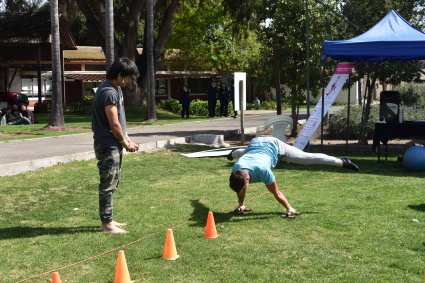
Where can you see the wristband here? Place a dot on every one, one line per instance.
(124, 142)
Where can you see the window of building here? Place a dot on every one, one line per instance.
(161, 88)
(198, 86)
(29, 87)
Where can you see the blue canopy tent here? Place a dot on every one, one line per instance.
(392, 39)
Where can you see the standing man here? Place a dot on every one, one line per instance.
(110, 136)
(261, 156)
(224, 100)
(185, 102)
(212, 98)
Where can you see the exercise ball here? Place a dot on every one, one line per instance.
(414, 158)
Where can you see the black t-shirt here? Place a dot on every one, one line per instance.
(106, 95)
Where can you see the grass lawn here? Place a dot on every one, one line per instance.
(366, 227)
(80, 123)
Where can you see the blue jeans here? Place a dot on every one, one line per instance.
(109, 164)
(22, 121)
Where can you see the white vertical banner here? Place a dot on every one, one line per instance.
(343, 70)
(239, 77)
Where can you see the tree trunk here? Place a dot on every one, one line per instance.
(109, 33)
(276, 72)
(161, 39)
(294, 112)
(91, 9)
(56, 119)
(150, 73)
(366, 110)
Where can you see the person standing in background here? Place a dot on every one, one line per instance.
(185, 102)
(224, 100)
(212, 99)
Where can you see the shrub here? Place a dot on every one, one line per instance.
(74, 107)
(411, 94)
(338, 123)
(199, 107)
(171, 105)
(42, 108)
(413, 113)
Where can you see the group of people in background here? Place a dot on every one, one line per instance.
(223, 94)
(216, 92)
(17, 114)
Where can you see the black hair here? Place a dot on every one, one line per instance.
(123, 66)
(237, 180)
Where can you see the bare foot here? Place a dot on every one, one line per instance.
(118, 224)
(111, 228)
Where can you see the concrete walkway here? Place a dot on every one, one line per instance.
(29, 155)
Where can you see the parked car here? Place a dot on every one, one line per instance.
(13, 98)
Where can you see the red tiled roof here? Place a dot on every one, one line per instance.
(86, 77)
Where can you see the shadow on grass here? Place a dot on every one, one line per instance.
(418, 207)
(200, 214)
(29, 232)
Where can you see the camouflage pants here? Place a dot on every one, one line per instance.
(109, 164)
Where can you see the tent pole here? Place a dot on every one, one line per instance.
(323, 106)
(307, 29)
(348, 115)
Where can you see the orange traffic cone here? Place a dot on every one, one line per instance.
(121, 270)
(210, 231)
(56, 278)
(170, 251)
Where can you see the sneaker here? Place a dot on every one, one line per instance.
(347, 164)
(230, 156)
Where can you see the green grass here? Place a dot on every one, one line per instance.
(79, 123)
(366, 227)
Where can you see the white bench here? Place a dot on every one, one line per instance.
(279, 125)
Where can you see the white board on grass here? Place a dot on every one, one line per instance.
(212, 152)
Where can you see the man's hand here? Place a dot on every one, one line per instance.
(132, 147)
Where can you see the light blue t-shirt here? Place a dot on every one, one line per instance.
(259, 159)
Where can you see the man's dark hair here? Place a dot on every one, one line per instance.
(123, 66)
(237, 180)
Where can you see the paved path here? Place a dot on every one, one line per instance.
(28, 155)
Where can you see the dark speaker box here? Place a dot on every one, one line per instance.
(389, 107)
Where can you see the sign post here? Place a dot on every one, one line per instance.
(240, 98)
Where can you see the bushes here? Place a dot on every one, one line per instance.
(171, 105)
(338, 123)
(411, 94)
(42, 108)
(200, 107)
(197, 107)
(83, 106)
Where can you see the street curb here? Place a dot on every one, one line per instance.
(33, 165)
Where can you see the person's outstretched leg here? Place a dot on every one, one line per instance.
(236, 153)
(292, 154)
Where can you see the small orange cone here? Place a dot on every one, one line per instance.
(121, 270)
(170, 251)
(210, 231)
(56, 278)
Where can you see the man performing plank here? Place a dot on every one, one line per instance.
(261, 156)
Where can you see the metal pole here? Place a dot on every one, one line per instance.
(323, 107)
(348, 114)
(242, 112)
(40, 90)
(307, 31)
